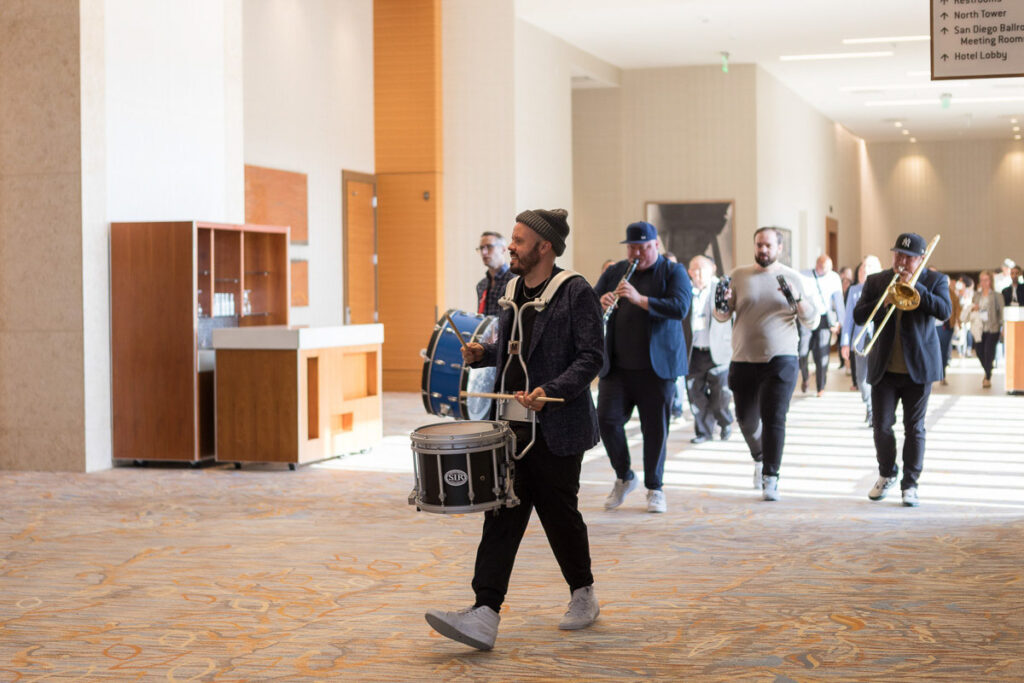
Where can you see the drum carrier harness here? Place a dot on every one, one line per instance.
(510, 410)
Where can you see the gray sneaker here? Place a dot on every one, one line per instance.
(770, 487)
(758, 469)
(619, 490)
(656, 501)
(881, 487)
(582, 611)
(473, 626)
(910, 497)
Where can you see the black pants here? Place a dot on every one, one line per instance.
(986, 350)
(551, 484)
(945, 344)
(618, 393)
(708, 390)
(817, 343)
(762, 392)
(885, 394)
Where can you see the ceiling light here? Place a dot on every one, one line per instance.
(959, 100)
(889, 39)
(1016, 129)
(913, 139)
(1016, 137)
(898, 124)
(1013, 120)
(836, 55)
(905, 131)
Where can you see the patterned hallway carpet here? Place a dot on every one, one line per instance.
(262, 574)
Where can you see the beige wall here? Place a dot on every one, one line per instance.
(308, 107)
(679, 134)
(970, 192)
(806, 170)
(42, 396)
(478, 79)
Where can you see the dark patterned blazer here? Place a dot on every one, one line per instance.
(565, 354)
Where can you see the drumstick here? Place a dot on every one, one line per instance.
(455, 330)
(484, 394)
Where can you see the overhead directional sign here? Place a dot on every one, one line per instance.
(977, 38)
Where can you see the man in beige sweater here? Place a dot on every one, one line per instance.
(768, 300)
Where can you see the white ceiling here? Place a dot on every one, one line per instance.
(634, 34)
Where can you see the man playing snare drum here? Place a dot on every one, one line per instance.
(562, 346)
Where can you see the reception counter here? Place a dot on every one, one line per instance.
(1013, 319)
(296, 395)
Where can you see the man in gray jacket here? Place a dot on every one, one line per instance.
(562, 345)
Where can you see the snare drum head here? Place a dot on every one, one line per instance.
(461, 430)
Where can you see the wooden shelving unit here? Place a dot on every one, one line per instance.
(170, 286)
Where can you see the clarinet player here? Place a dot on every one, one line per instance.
(644, 354)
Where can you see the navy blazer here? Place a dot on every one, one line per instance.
(563, 359)
(917, 329)
(668, 304)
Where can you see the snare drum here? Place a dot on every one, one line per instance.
(445, 374)
(463, 467)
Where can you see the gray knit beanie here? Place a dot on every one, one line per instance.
(550, 225)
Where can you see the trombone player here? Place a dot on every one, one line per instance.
(904, 356)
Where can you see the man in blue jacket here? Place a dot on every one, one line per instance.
(903, 363)
(561, 346)
(644, 354)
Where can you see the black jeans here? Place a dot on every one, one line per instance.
(894, 387)
(709, 394)
(817, 342)
(617, 394)
(551, 484)
(762, 392)
(986, 349)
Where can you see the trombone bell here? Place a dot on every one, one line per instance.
(904, 297)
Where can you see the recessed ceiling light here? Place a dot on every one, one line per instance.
(898, 124)
(905, 131)
(1016, 137)
(1013, 120)
(913, 139)
(888, 39)
(836, 55)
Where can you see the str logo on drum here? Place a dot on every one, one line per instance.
(456, 477)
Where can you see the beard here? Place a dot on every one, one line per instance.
(765, 261)
(522, 264)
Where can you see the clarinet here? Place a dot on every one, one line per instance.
(721, 304)
(786, 291)
(625, 278)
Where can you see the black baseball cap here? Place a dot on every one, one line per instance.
(639, 232)
(911, 244)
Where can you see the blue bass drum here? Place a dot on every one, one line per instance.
(444, 373)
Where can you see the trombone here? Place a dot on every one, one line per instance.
(901, 295)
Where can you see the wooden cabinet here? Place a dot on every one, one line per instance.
(1013, 318)
(171, 284)
(297, 395)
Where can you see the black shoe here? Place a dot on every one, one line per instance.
(726, 432)
(700, 439)
(803, 387)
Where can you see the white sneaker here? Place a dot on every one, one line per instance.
(758, 469)
(881, 487)
(582, 611)
(656, 501)
(619, 490)
(474, 626)
(770, 487)
(910, 497)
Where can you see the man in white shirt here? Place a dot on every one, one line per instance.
(825, 290)
(710, 351)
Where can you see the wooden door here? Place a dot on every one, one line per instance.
(832, 241)
(359, 247)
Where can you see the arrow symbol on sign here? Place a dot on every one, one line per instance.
(944, 15)
(945, 57)
(945, 30)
